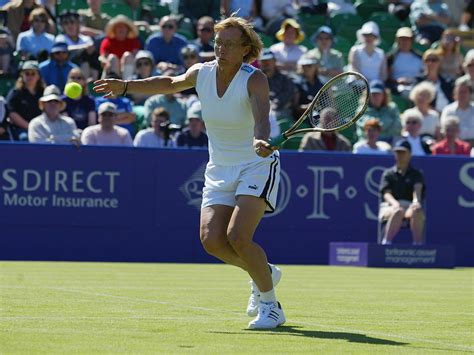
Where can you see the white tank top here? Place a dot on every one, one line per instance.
(229, 119)
(370, 65)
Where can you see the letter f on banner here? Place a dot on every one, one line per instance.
(320, 190)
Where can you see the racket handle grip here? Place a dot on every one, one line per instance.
(277, 141)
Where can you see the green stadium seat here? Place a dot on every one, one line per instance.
(311, 23)
(6, 84)
(114, 8)
(189, 35)
(266, 39)
(388, 24)
(159, 10)
(346, 25)
(63, 5)
(343, 45)
(366, 9)
(402, 102)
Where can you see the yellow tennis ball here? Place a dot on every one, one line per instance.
(73, 90)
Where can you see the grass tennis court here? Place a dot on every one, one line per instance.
(200, 308)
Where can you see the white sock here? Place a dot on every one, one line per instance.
(268, 296)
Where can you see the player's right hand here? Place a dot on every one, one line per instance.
(109, 87)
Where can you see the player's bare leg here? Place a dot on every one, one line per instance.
(214, 223)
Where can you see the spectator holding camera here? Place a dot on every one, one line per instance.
(194, 134)
(158, 135)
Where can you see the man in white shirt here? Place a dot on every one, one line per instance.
(106, 132)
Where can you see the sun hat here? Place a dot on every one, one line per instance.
(121, 19)
(51, 93)
(292, 23)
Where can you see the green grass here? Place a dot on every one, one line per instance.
(194, 308)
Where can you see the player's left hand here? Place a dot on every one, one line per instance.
(263, 148)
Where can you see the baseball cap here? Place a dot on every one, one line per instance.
(404, 32)
(402, 145)
(194, 112)
(377, 86)
(59, 47)
(50, 93)
(29, 65)
(267, 54)
(107, 107)
(370, 28)
(307, 60)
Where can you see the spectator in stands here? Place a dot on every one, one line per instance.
(462, 108)
(205, 34)
(444, 87)
(166, 45)
(451, 144)
(450, 55)
(468, 66)
(119, 47)
(106, 132)
(287, 51)
(144, 68)
(366, 58)
(194, 134)
(283, 92)
(172, 103)
(158, 135)
(399, 8)
(51, 126)
(381, 108)
(22, 101)
(404, 63)
(142, 15)
(4, 134)
(422, 95)
(71, 28)
(244, 8)
(340, 7)
(7, 48)
(81, 109)
(467, 18)
(402, 190)
(17, 14)
(190, 55)
(430, 18)
(55, 70)
(93, 20)
(371, 144)
(330, 60)
(411, 132)
(30, 43)
(307, 82)
(327, 141)
(273, 11)
(194, 10)
(124, 115)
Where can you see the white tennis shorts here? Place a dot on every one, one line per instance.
(260, 178)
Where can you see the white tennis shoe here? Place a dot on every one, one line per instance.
(270, 315)
(254, 299)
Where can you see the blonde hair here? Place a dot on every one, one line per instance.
(457, 43)
(249, 36)
(424, 86)
(431, 51)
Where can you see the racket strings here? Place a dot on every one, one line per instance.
(340, 103)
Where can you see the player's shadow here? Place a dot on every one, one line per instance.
(299, 331)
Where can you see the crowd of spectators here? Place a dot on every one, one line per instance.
(421, 78)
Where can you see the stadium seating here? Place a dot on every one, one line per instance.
(402, 103)
(6, 84)
(366, 8)
(63, 5)
(346, 25)
(388, 24)
(114, 8)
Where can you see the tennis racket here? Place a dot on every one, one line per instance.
(337, 105)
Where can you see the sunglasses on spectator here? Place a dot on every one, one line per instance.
(39, 19)
(168, 26)
(324, 38)
(412, 122)
(30, 72)
(143, 63)
(432, 59)
(205, 29)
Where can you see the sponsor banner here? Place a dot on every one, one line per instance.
(111, 203)
(406, 256)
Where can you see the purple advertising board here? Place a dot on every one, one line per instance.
(131, 204)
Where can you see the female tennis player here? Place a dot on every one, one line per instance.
(243, 171)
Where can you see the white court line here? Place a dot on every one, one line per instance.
(319, 325)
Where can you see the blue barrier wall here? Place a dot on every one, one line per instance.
(130, 204)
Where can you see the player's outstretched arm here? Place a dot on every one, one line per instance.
(154, 85)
